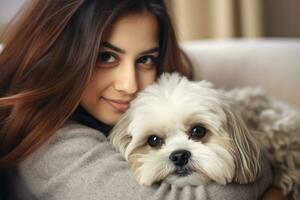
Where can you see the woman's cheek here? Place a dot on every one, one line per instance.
(147, 79)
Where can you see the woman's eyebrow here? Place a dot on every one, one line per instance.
(152, 50)
(115, 48)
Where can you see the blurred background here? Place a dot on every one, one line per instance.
(196, 19)
(209, 19)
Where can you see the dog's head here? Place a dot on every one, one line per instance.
(177, 127)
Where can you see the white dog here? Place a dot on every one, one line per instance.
(190, 133)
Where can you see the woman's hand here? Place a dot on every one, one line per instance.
(274, 193)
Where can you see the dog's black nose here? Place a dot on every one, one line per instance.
(180, 157)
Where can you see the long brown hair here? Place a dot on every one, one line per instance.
(49, 56)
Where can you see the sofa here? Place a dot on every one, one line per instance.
(273, 64)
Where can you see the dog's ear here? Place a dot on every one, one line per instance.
(247, 152)
(119, 136)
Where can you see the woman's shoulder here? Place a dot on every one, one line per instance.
(72, 139)
(68, 144)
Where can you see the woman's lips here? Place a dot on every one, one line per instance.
(119, 105)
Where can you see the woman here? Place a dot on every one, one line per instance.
(68, 72)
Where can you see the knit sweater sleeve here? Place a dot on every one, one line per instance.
(79, 163)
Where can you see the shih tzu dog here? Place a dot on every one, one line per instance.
(186, 133)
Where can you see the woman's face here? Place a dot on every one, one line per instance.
(126, 65)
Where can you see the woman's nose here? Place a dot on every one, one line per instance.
(127, 80)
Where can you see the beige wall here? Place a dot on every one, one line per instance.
(198, 19)
(191, 20)
(281, 18)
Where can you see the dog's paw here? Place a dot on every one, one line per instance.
(144, 180)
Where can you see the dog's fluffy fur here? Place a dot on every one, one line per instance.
(238, 124)
(276, 125)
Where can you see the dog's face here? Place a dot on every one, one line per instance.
(177, 128)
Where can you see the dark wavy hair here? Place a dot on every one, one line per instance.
(51, 49)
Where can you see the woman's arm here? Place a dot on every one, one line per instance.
(79, 163)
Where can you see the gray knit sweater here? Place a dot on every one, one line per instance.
(78, 162)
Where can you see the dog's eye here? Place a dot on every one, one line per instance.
(197, 132)
(154, 141)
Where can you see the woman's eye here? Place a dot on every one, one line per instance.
(106, 58)
(147, 61)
